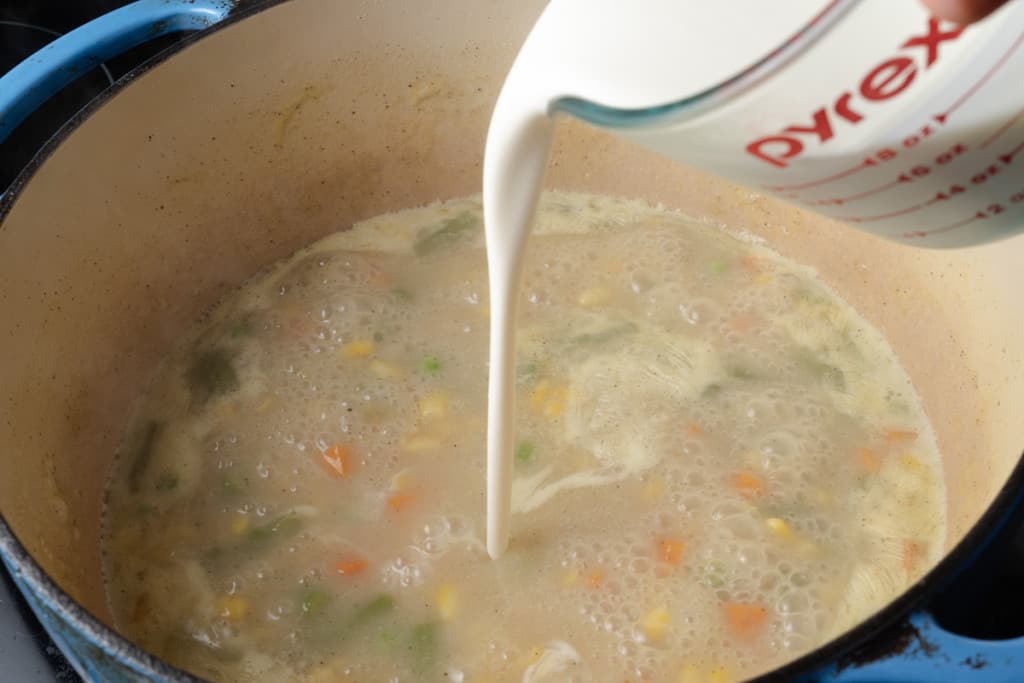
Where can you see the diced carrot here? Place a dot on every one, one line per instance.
(400, 501)
(693, 429)
(594, 579)
(749, 485)
(381, 279)
(337, 460)
(743, 323)
(899, 436)
(868, 460)
(745, 620)
(352, 566)
(752, 264)
(911, 555)
(671, 550)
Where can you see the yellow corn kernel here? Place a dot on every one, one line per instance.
(556, 404)
(434, 406)
(910, 462)
(239, 525)
(536, 652)
(265, 404)
(595, 296)
(384, 369)
(656, 622)
(232, 608)
(779, 527)
(447, 601)
(654, 490)
(485, 311)
(402, 480)
(690, 674)
(421, 443)
(570, 577)
(720, 674)
(540, 394)
(763, 278)
(360, 348)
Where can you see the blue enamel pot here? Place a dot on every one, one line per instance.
(274, 123)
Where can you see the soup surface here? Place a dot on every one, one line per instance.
(720, 465)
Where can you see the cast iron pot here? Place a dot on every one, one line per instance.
(282, 122)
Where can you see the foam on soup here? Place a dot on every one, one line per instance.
(721, 465)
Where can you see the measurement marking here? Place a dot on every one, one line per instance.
(1002, 129)
(868, 193)
(822, 181)
(938, 231)
(892, 214)
(941, 118)
(1007, 158)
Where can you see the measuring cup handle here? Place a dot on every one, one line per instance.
(28, 85)
(930, 653)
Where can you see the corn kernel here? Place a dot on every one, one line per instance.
(910, 462)
(433, 406)
(402, 480)
(360, 348)
(239, 525)
(690, 674)
(266, 404)
(571, 577)
(779, 527)
(447, 601)
(540, 394)
(421, 443)
(763, 278)
(232, 608)
(384, 369)
(720, 674)
(656, 622)
(595, 296)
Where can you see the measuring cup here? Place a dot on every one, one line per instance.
(869, 111)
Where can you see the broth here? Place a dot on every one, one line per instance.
(721, 465)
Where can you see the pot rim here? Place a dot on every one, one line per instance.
(30, 573)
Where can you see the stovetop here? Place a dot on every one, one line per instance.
(987, 603)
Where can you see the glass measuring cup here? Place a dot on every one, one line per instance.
(871, 112)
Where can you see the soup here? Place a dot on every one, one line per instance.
(721, 465)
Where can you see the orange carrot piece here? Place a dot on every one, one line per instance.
(595, 578)
(745, 620)
(749, 485)
(911, 555)
(895, 436)
(671, 550)
(868, 460)
(752, 264)
(743, 323)
(352, 567)
(337, 460)
(693, 429)
(400, 501)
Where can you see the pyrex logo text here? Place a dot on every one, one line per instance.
(883, 82)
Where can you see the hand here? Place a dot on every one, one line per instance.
(963, 11)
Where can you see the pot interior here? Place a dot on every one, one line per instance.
(313, 114)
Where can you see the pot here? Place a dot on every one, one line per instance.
(287, 121)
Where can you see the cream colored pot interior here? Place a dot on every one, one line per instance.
(317, 113)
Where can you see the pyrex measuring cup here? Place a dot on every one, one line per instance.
(869, 111)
